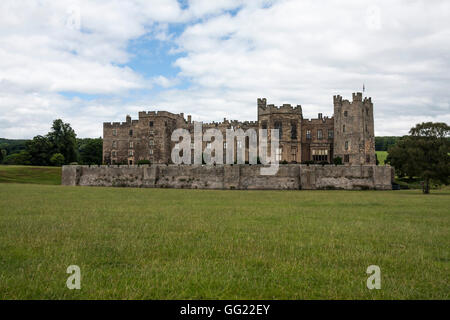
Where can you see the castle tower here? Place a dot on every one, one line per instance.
(354, 137)
(288, 120)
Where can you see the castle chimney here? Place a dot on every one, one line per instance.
(128, 118)
(189, 118)
(320, 116)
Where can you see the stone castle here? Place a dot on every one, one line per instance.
(348, 134)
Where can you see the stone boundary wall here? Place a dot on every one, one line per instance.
(243, 177)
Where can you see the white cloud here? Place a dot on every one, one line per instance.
(299, 52)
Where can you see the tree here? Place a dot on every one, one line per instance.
(2, 155)
(40, 150)
(63, 138)
(23, 158)
(57, 159)
(424, 153)
(90, 150)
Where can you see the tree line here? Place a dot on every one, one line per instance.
(383, 143)
(59, 146)
(424, 153)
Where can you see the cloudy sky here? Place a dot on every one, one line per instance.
(90, 61)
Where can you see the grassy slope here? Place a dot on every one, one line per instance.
(30, 174)
(166, 243)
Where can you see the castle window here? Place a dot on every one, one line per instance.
(308, 134)
(151, 142)
(278, 154)
(346, 145)
(130, 153)
(320, 155)
(114, 144)
(151, 151)
(131, 133)
(150, 123)
(345, 113)
(224, 145)
(330, 134)
(278, 125)
(208, 145)
(293, 153)
(346, 158)
(264, 125)
(293, 131)
(151, 132)
(114, 132)
(113, 154)
(319, 134)
(343, 128)
(131, 144)
(192, 145)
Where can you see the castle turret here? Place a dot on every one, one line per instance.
(354, 138)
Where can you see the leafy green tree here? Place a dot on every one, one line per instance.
(2, 155)
(63, 138)
(23, 158)
(90, 150)
(424, 153)
(57, 159)
(40, 149)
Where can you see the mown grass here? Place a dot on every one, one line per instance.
(381, 156)
(30, 174)
(206, 244)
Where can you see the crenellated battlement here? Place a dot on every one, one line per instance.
(174, 116)
(367, 100)
(337, 100)
(357, 96)
(264, 108)
(323, 120)
(117, 125)
(230, 123)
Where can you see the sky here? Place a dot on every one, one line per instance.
(94, 61)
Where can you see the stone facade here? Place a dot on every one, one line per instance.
(241, 177)
(349, 134)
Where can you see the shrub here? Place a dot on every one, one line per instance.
(337, 161)
(144, 162)
(57, 159)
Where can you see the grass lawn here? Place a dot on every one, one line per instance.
(30, 174)
(202, 244)
(381, 156)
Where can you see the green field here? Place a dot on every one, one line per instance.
(30, 174)
(381, 156)
(203, 244)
